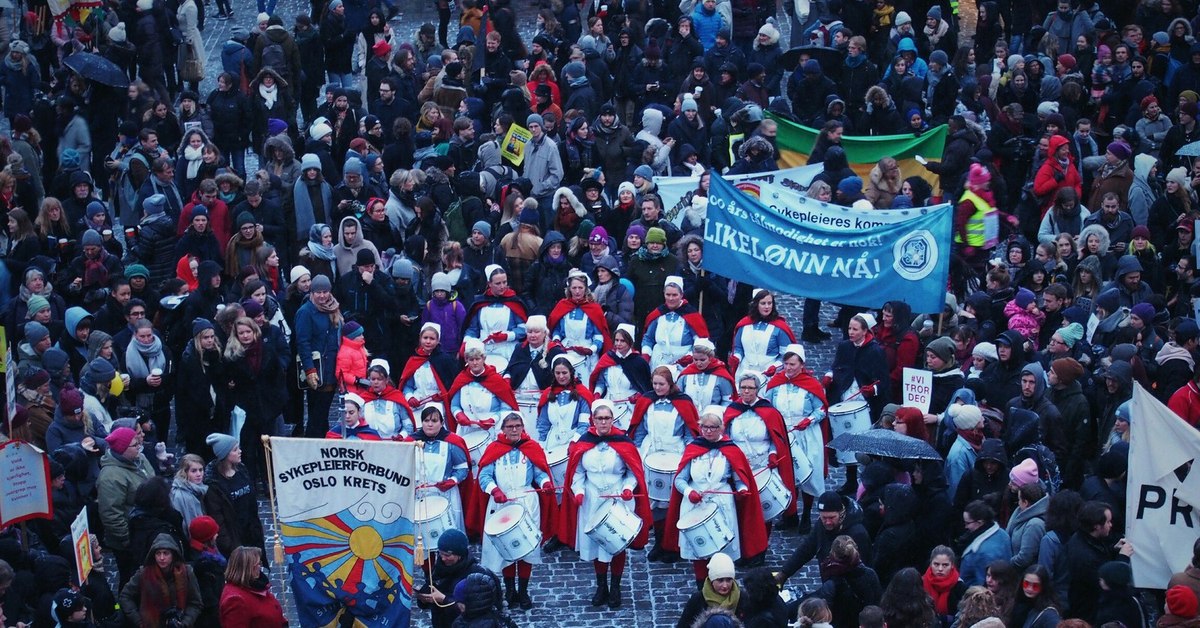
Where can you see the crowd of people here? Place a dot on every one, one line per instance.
(345, 227)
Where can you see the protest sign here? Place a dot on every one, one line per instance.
(513, 146)
(917, 387)
(81, 541)
(830, 253)
(772, 188)
(25, 493)
(345, 510)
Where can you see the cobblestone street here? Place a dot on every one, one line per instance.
(561, 588)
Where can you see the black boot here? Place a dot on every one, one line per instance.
(553, 545)
(523, 594)
(614, 592)
(806, 521)
(510, 591)
(601, 595)
(656, 552)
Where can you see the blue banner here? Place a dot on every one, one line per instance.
(827, 252)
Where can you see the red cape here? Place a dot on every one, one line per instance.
(568, 512)
(715, 367)
(591, 309)
(752, 530)
(468, 489)
(490, 380)
(779, 437)
(683, 405)
(806, 381)
(778, 321)
(689, 314)
(416, 361)
(510, 301)
(578, 388)
(393, 394)
(532, 450)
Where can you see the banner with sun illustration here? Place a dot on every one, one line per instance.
(345, 512)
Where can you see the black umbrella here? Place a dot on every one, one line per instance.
(886, 443)
(96, 68)
(829, 58)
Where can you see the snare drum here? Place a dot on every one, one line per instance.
(556, 457)
(772, 493)
(476, 441)
(704, 530)
(660, 473)
(497, 361)
(514, 532)
(432, 517)
(849, 417)
(614, 527)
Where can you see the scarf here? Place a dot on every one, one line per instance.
(269, 95)
(194, 157)
(646, 255)
(47, 288)
(330, 309)
(935, 34)
(973, 437)
(854, 62)
(939, 589)
(254, 355)
(716, 600)
(1107, 169)
(157, 592)
(601, 290)
(834, 568)
(141, 359)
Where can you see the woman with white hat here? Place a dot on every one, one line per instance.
(386, 408)
(800, 399)
(429, 372)
(860, 371)
(621, 374)
(529, 371)
(578, 323)
(706, 380)
(759, 338)
(757, 428)
(672, 327)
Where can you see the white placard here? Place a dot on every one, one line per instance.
(81, 541)
(25, 493)
(917, 386)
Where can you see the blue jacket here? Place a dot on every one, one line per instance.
(991, 544)
(706, 25)
(18, 84)
(315, 332)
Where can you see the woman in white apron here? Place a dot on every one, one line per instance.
(706, 380)
(478, 398)
(429, 372)
(604, 472)
(664, 422)
(564, 412)
(621, 375)
(756, 427)
(497, 317)
(386, 409)
(714, 471)
(672, 327)
(578, 323)
(529, 370)
(860, 371)
(800, 398)
(513, 471)
(442, 464)
(759, 338)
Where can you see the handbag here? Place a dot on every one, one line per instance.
(190, 66)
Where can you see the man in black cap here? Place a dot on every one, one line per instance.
(367, 299)
(838, 515)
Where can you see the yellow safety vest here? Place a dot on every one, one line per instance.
(983, 227)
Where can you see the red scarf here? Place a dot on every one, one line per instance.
(490, 380)
(575, 387)
(683, 406)
(974, 437)
(591, 309)
(939, 588)
(536, 455)
(568, 513)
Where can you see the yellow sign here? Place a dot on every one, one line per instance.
(513, 146)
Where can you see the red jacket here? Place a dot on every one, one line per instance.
(246, 608)
(1186, 403)
(1045, 186)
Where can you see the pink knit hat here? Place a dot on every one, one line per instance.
(1024, 473)
(978, 175)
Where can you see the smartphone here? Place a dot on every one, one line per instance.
(921, 160)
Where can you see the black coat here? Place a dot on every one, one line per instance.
(445, 578)
(230, 113)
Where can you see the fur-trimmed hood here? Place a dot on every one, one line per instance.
(580, 210)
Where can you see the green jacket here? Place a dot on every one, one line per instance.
(119, 480)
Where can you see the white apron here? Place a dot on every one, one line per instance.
(512, 473)
(711, 472)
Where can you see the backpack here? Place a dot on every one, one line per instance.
(273, 57)
(456, 225)
(1047, 464)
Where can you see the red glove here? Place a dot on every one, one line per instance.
(695, 497)
(486, 424)
(626, 494)
(445, 485)
(826, 380)
(582, 350)
(1012, 220)
(578, 499)
(770, 370)
(438, 397)
(868, 390)
(547, 486)
(803, 424)
(772, 461)
(462, 419)
(646, 357)
(685, 360)
(499, 496)
(499, 336)
(412, 402)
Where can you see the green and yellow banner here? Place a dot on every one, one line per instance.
(795, 142)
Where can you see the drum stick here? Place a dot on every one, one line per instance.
(618, 495)
(859, 391)
(720, 492)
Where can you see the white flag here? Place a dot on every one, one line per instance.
(1163, 485)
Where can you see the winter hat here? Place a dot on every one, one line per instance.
(35, 332)
(1186, 330)
(319, 131)
(1116, 573)
(117, 34)
(310, 161)
(978, 174)
(812, 66)
(200, 210)
(598, 235)
(1071, 334)
(199, 325)
(1076, 314)
(1047, 109)
(986, 350)
(298, 273)
(441, 281)
(70, 402)
(1109, 300)
(689, 103)
(144, 5)
(530, 215)
(55, 359)
(534, 118)
(275, 126)
(137, 270)
(1068, 61)
(720, 566)
(120, 439)
(770, 31)
(402, 268)
(1120, 150)
(453, 541)
(636, 230)
(36, 379)
(202, 530)
(1141, 231)
(644, 171)
(862, 204)
(91, 237)
(253, 308)
(966, 417)
(1024, 473)
(156, 204)
(1067, 370)
(935, 12)
(1144, 311)
(1024, 297)
(943, 348)
(482, 226)
(939, 57)
(1181, 602)
(1180, 177)
(67, 602)
(1189, 108)
(221, 444)
(656, 234)
(903, 18)
(102, 370)
(352, 330)
(36, 304)
(850, 185)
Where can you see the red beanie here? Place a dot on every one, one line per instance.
(202, 530)
(1181, 602)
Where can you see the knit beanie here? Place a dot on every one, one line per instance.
(1024, 297)
(35, 332)
(120, 439)
(36, 304)
(1071, 334)
(297, 273)
(202, 530)
(453, 541)
(483, 227)
(720, 566)
(966, 417)
(1116, 573)
(1181, 602)
(943, 348)
(1144, 311)
(985, 350)
(1024, 473)
(1067, 370)
(221, 444)
(656, 234)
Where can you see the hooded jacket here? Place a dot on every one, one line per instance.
(895, 547)
(346, 253)
(1128, 298)
(547, 278)
(1050, 420)
(1025, 530)
(132, 595)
